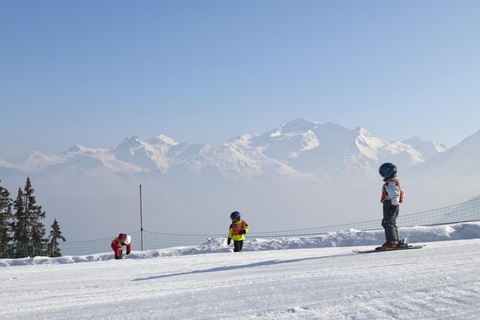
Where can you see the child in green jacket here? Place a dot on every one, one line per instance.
(237, 231)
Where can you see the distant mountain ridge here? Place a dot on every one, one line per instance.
(297, 149)
(462, 159)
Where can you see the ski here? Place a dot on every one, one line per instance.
(389, 249)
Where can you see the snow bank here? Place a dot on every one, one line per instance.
(348, 238)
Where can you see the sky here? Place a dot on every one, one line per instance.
(94, 73)
(288, 278)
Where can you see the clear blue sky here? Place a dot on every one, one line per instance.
(95, 72)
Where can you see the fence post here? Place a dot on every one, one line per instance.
(141, 217)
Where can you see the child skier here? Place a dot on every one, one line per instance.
(118, 244)
(392, 197)
(237, 231)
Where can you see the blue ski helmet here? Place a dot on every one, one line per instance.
(387, 170)
(235, 215)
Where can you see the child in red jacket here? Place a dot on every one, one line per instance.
(119, 243)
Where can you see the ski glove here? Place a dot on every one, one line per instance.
(128, 252)
(228, 241)
(242, 231)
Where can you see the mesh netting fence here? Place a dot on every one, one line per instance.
(463, 212)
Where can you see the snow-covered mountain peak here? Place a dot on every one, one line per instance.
(243, 140)
(33, 152)
(128, 147)
(426, 148)
(129, 142)
(148, 156)
(414, 139)
(31, 157)
(295, 126)
(460, 160)
(367, 143)
(30, 153)
(298, 129)
(32, 160)
(163, 139)
(363, 132)
(365, 137)
(76, 149)
(417, 141)
(469, 145)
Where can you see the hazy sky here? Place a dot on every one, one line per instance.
(95, 72)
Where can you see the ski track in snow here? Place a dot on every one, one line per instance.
(440, 281)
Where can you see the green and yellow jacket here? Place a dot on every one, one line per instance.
(235, 228)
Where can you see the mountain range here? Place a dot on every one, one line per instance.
(297, 149)
(298, 175)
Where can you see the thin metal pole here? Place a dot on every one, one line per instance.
(141, 217)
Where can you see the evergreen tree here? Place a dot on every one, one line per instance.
(21, 234)
(55, 235)
(6, 222)
(37, 229)
(28, 231)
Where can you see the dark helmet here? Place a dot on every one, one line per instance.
(387, 170)
(235, 215)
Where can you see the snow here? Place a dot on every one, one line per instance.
(287, 278)
(291, 140)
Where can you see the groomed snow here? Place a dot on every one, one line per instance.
(271, 279)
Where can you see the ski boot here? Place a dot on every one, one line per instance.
(388, 245)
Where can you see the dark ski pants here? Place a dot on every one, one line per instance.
(390, 214)
(237, 245)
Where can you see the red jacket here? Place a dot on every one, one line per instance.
(118, 246)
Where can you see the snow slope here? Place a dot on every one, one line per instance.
(274, 281)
